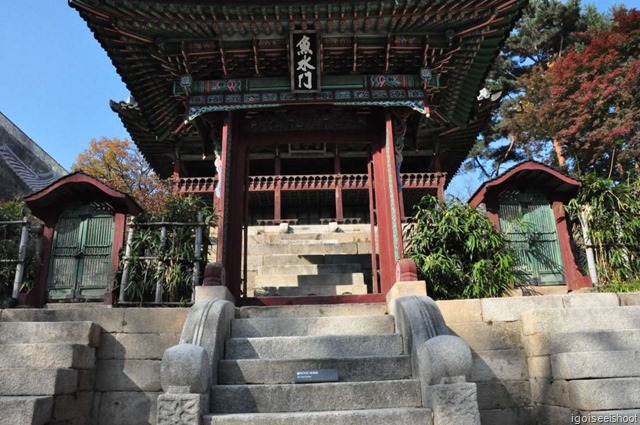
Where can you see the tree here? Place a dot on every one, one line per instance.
(587, 102)
(120, 165)
(545, 31)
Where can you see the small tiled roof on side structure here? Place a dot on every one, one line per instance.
(78, 187)
(532, 174)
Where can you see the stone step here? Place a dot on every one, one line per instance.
(275, 240)
(310, 290)
(310, 229)
(322, 310)
(314, 347)
(270, 238)
(309, 279)
(299, 259)
(312, 326)
(85, 333)
(573, 319)
(55, 356)
(253, 371)
(26, 410)
(397, 416)
(34, 382)
(604, 394)
(315, 397)
(545, 343)
(599, 364)
(309, 269)
(322, 247)
(292, 238)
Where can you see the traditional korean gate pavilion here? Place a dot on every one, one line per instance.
(364, 105)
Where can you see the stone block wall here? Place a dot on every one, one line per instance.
(541, 359)
(536, 360)
(499, 361)
(128, 364)
(126, 383)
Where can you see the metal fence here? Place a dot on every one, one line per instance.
(152, 256)
(15, 238)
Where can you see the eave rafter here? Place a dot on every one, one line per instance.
(152, 43)
(239, 19)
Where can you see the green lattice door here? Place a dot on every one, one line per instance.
(81, 255)
(527, 220)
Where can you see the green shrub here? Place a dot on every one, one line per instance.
(174, 263)
(612, 212)
(458, 252)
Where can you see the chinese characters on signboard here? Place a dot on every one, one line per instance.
(305, 69)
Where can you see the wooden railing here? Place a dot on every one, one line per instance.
(310, 182)
(422, 180)
(195, 185)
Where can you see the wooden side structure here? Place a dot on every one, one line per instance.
(556, 190)
(51, 202)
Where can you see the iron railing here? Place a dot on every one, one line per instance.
(9, 231)
(154, 260)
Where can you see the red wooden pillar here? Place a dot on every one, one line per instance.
(372, 221)
(175, 177)
(387, 203)
(120, 227)
(491, 203)
(337, 172)
(437, 163)
(574, 279)
(441, 189)
(437, 168)
(233, 185)
(277, 194)
(37, 295)
(222, 182)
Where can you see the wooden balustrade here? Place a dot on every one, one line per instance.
(195, 185)
(422, 180)
(309, 182)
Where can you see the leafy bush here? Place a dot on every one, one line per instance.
(611, 209)
(458, 252)
(174, 262)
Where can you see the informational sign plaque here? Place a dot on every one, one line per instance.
(305, 63)
(315, 376)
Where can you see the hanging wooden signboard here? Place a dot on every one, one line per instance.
(305, 61)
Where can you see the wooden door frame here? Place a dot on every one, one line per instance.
(233, 192)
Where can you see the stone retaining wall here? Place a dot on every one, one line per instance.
(127, 370)
(528, 353)
(512, 360)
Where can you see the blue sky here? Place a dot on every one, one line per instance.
(56, 81)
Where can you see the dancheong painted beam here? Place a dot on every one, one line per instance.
(154, 43)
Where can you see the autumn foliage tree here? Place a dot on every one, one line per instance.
(587, 102)
(547, 29)
(119, 164)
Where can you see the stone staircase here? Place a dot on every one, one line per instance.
(46, 372)
(309, 260)
(268, 345)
